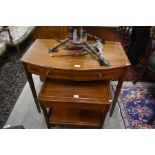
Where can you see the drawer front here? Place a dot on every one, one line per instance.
(37, 70)
(43, 71)
(74, 105)
(76, 75)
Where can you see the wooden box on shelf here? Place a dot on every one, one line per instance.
(82, 104)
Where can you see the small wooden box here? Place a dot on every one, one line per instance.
(75, 103)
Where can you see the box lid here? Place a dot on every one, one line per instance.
(96, 92)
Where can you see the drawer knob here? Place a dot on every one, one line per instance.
(47, 73)
(100, 75)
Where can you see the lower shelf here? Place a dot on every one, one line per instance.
(72, 117)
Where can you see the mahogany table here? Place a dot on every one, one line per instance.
(38, 61)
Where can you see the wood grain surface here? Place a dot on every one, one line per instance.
(38, 55)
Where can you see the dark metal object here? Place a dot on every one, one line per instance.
(78, 40)
(98, 52)
(55, 48)
(74, 47)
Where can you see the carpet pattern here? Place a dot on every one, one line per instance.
(10, 86)
(137, 106)
(12, 81)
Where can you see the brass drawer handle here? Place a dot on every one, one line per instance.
(76, 96)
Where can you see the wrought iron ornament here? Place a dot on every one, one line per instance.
(78, 41)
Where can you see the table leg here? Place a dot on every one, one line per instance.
(46, 116)
(103, 115)
(117, 91)
(31, 83)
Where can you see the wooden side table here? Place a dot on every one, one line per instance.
(38, 61)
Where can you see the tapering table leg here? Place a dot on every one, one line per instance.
(31, 83)
(117, 91)
(46, 116)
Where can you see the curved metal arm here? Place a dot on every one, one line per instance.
(55, 48)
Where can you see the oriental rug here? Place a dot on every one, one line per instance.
(137, 106)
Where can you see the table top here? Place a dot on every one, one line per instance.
(38, 55)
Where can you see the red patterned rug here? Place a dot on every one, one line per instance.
(137, 106)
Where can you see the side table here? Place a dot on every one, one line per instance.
(38, 61)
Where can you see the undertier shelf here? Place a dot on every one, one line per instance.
(74, 117)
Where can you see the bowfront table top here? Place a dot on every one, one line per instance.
(38, 55)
